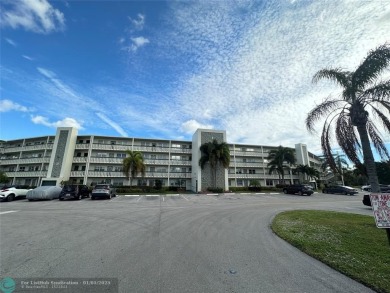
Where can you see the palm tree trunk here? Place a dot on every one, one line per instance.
(368, 157)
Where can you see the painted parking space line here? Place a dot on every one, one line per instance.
(7, 212)
(132, 195)
(184, 197)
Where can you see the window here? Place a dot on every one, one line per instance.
(85, 154)
(88, 141)
(152, 169)
(175, 145)
(76, 168)
(31, 168)
(252, 171)
(121, 155)
(80, 141)
(175, 158)
(240, 182)
(22, 169)
(78, 155)
(99, 168)
(113, 142)
(82, 168)
(269, 182)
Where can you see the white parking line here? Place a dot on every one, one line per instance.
(132, 195)
(184, 197)
(7, 212)
(139, 198)
(260, 193)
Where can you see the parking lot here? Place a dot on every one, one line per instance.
(169, 243)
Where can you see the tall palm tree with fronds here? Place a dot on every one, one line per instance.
(363, 97)
(216, 154)
(280, 159)
(133, 164)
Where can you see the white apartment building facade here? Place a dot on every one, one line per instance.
(92, 159)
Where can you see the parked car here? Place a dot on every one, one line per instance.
(366, 200)
(347, 190)
(44, 192)
(12, 192)
(383, 188)
(103, 191)
(74, 191)
(301, 189)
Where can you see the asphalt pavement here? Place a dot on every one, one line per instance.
(169, 243)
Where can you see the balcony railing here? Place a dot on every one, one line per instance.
(27, 174)
(27, 148)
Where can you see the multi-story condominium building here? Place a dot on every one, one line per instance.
(91, 159)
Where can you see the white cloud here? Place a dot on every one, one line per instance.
(11, 42)
(28, 57)
(191, 126)
(7, 106)
(113, 124)
(66, 122)
(139, 22)
(256, 82)
(138, 42)
(38, 16)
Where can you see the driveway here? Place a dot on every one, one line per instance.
(169, 243)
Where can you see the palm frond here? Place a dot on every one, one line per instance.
(321, 110)
(326, 146)
(372, 66)
(377, 141)
(379, 92)
(383, 118)
(337, 75)
(347, 138)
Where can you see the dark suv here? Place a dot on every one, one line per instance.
(74, 191)
(301, 189)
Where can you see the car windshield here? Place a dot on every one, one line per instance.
(102, 186)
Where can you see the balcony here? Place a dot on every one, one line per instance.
(106, 160)
(28, 148)
(82, 146)
(27, 174)
(111, 147)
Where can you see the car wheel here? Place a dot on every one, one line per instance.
(92, 198)
(30, 199)
(109, 196)
(78, 197)
(60, 198)
(300, 193)
(10, 197)
(285, 191)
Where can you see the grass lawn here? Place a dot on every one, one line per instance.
(349, 243)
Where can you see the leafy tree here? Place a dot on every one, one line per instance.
(363, 97)
(216, 154)
(3, 177)
(280, 159)
(133, 164)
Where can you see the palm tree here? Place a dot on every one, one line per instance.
(278, 159)
(311, 172)
(215, 154)
(362, 98)
(133, 164)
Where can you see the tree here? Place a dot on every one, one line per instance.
(280, 159)
(362, 98)
(133, 164)
(311, 172)
(3, 177)
(216, 154)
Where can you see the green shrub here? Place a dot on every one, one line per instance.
(215, 189)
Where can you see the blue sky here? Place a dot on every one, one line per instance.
(162, 69)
